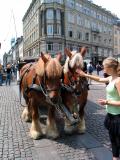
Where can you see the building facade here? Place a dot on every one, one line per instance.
(52, 25)
(116, 52)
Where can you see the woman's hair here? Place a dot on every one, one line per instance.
(111, 63)
(118, 69)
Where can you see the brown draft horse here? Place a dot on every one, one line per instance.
(40, 86)
(78, 85)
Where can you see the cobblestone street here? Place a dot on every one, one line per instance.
(15, 142)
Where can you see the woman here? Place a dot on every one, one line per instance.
(112, 102)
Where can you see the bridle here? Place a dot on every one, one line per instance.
(44, 88)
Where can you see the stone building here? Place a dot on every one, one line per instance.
(52, 25)
(116, 52)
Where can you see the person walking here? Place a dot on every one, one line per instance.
(112, 101)
(1, 72)
(90, 70)
(98, 68)
(8, 74)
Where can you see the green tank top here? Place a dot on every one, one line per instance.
(112, 94)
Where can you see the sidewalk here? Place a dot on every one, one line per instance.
(16, 144)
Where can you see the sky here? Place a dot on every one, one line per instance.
(12, 12)
(110, 5)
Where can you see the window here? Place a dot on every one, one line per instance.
(70, 34)
(79, 35)
(70, 3)
(115, 51)
(50, 46)
(100, 27)
(59, 1)
(50, 29)
(110, 41)
(70, 17)
(99, 16)
(115, 41)
(49, 14)
(87, 23)
(86, 10)
(58, 14)
(87, 36)
(78, 7)
(58, 29)
(79, 20)
(94, 37)
(93, 13)
(105, 41)
(99, 38)
(115, 31)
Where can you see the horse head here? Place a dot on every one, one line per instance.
(50, 70)
(74, 59)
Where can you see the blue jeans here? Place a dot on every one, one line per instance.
(8, 78)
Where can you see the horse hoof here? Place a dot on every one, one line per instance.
(81, 127)
(81, 131)
(35, 135)
(69, 129)
(25, 115)
(52, 135)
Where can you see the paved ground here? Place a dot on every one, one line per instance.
(16, 144)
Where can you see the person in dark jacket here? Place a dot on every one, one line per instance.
(8, 74)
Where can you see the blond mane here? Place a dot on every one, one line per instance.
(77, 60)
(53, 69)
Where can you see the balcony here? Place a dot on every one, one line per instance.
(96, 30)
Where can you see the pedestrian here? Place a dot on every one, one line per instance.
(112, 102)
(1, 72)
(98, 68)
(8, 74)
(90, 69)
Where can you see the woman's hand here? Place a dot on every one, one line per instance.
(81, 73)
(102, 101)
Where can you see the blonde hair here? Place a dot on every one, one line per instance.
(111, 63)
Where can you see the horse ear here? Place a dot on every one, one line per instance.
(68, 52)
(59, 56)
(83, 51)
(45, 60)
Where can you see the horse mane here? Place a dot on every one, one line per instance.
(77, 60)
(52, 68)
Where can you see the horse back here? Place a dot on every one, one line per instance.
(27, 76)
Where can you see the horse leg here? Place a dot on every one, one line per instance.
(26, 114)
(51, 130)
(68, 128)
(81, 125)
(35, 130)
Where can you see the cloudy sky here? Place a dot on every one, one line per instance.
(11, 10)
